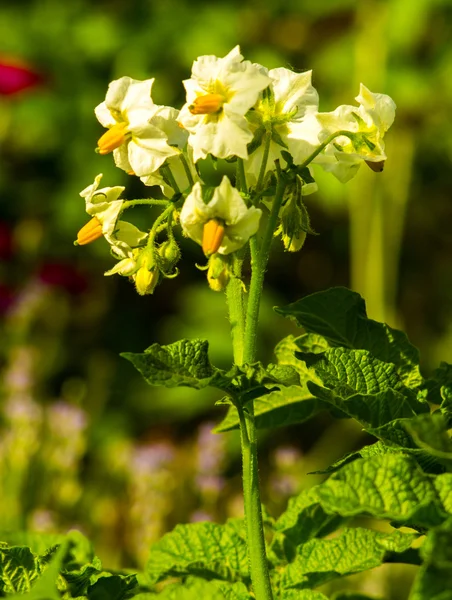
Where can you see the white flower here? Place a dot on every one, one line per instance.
(179, 173)
(138, 129)
(371, 119)
(104, 205)
(224, 224)
(290, 112)
(219, 94)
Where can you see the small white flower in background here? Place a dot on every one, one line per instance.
(372, 118)
(138, 130)
(224, 224)
(219, 94)
(291, 112)
(104, 206)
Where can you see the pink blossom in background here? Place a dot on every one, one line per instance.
(15, 76)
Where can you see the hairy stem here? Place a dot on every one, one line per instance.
(252, 502)
(259, 260)
(234, 295)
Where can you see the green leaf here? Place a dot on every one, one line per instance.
(114, 587)
(19, 569)
(184, 363)
(390, 486)
(352, 551)
(439, 384)
(430, 433)
(434, 579)
(288, 405)
(428, 463)
(38, 543)
(303, 520)
(339, 315)
(206, 550)
(285, 351)
(22, 582)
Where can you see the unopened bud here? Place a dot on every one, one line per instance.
(146, 280)
(169, 252)
(89, 232)
(218, 273)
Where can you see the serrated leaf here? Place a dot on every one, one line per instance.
(303, 520)
(19, 569)
(339, 315)
(184, 363)
(387, 487)
(202, 549)
(352, 551)
(42, 587)
(38, 543)
(288, 405)
(434, 579)
(390, 486)
(285, 351)
(428, 463)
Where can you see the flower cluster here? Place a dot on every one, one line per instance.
(267, 122)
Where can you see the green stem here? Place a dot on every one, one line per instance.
(260, 179)
(324, 144)
(168, 174)
(253, 509)
(251, 492)
(159, 220)
(260, 260)
(241, 176)
(187, 169)
(234, 295)
(145, 201)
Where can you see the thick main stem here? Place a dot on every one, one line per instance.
(253, 509)
(259, 261)
(251, 490)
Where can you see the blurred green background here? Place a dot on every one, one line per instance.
(84, 442)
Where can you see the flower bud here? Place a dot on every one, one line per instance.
(295, 223)
(170, 254)
(147, 276)
(218, 273)
(146, 280)
(90, 232)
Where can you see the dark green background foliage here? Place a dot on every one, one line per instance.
(79, 427)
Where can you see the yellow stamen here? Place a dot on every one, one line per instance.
(207, 104)
(112, 138)
(377, 167)
(89, 232)
(212, 236)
